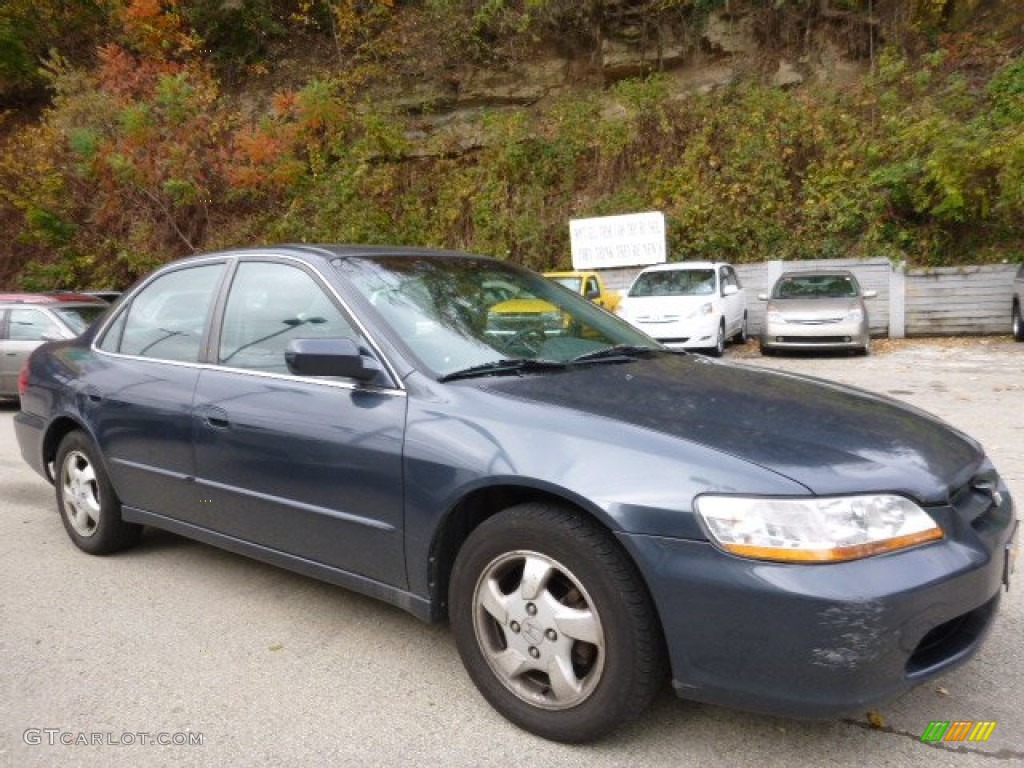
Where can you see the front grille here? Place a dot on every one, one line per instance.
(813, 339)
(679, 340)
(981, 503)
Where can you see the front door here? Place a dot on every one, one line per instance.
(309, 467)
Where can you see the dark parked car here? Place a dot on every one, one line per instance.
(29, 319)
(1017, 323)
(588, 508)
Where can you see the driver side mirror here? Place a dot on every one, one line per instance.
(330, 357)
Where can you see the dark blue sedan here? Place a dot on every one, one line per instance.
(467, 440)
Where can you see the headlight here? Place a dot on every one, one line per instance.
(815, 530)
(855, 315)
(703, 309)
(772, 315)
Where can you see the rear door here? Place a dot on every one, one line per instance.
(137, 397)
(309, 467)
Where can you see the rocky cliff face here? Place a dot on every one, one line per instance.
(696, 53)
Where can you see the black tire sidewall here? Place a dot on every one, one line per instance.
(112, 533)
(618, 697)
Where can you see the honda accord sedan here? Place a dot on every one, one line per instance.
(592, 512)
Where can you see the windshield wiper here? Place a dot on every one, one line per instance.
(618, 351)
(504, 366)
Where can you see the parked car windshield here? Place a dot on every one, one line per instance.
(81, 317)
(459, 312)
(816, 287)
(674, 282)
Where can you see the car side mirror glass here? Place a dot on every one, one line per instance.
(330, 357)
(762, 296)
(869, 294)
(730, 290)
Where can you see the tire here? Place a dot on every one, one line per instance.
(1018, 323)
(742, 335)
(584, 614)
(866, 349)
(719, 349)
(88, 506)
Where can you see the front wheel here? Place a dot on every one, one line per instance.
(1018, 323)
(719, 349)
(88, 506)
(554, 624)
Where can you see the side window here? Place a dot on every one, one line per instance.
(269, 305)
(165, 321)
(734, 278)
(31, 325)
(590, 289)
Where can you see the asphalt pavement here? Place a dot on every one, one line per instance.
(175, 653)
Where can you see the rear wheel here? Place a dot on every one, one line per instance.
(554, 624)
(88, 506)
(742, 335)
(1018, 323)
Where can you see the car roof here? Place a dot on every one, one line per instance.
(681, 265)
(817, 273)
(49, 299)
(317, 253)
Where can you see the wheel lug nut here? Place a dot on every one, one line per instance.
(514, 626)
(531, 609)
(534, 652)
(551, 635)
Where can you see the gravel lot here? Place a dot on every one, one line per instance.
(275, 669)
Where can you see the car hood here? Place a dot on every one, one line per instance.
(813, 309)
(529, 306)
(828, 437)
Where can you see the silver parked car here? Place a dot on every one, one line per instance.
(1018, 302)
(29, 319)
(816, 310)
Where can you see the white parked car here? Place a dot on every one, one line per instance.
(688, 305)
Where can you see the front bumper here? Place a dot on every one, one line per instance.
(825, 640)
(696, 333)
(833, 336)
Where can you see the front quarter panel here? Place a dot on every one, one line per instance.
(631, 479)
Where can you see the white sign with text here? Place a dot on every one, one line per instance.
(629, 240)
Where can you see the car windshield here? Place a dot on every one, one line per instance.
(674, 282)
(81, 317)
(816, 287)
(457, 312)
(570, 282)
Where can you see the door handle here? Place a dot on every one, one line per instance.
(215, 417)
